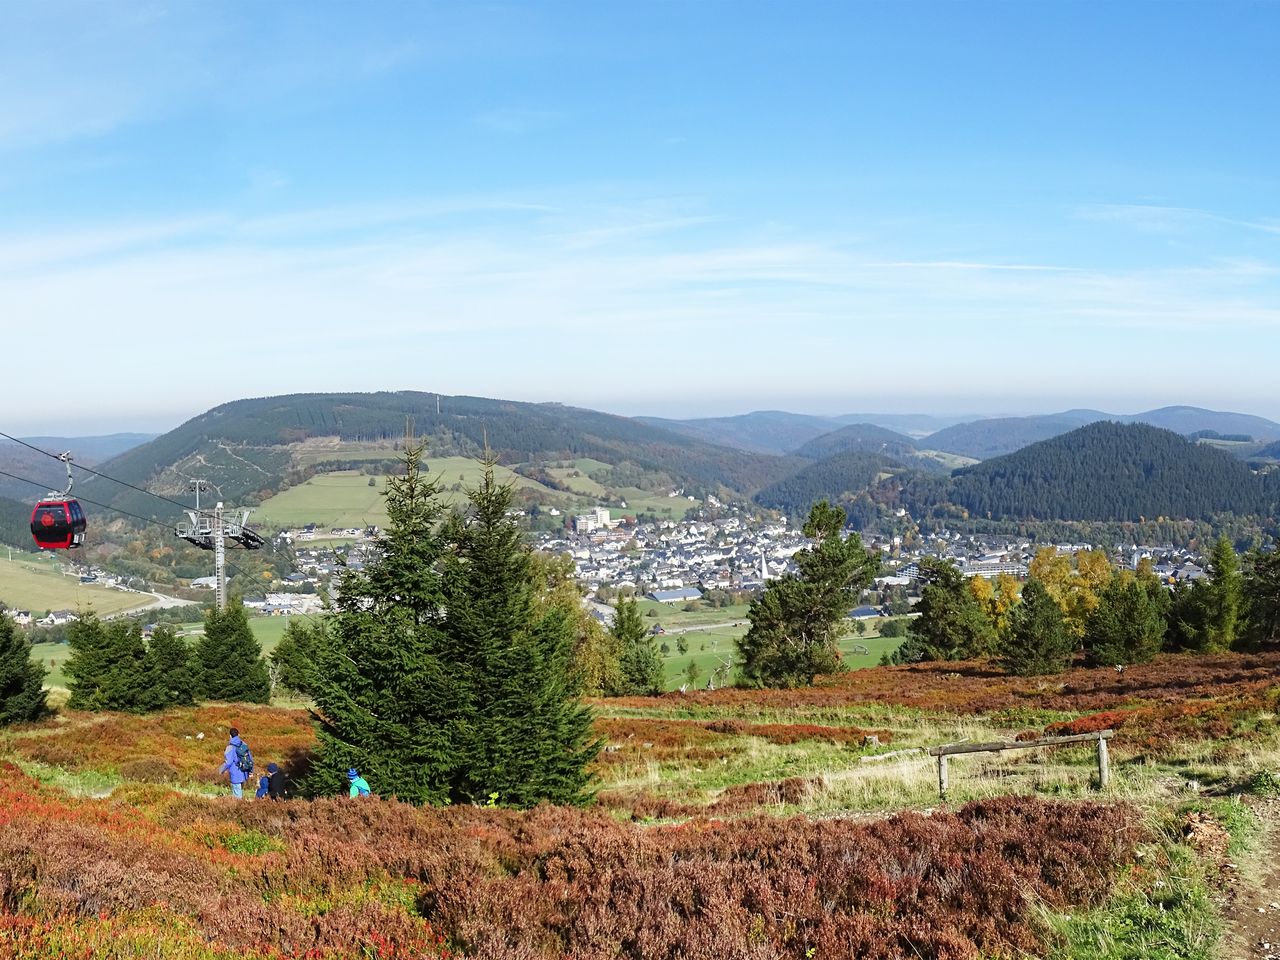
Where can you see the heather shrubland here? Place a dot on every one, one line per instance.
(752, 824)
(194, 876)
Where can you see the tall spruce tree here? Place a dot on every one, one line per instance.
(22, 696)
(1224, 602)
(529, 737)
(228, 659)
(1039, 640)
(797, 621)
(293, 659)
(642, 673)
(392, 695)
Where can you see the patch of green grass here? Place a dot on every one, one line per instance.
(345, 498)
(251, 843)
(81, 783)
(1166, 915)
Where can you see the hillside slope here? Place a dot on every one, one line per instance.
(836, 479)
(860, 438)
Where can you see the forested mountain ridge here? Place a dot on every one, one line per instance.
(246, 447)
(763, 431)
(1113, 471)
(994, 437)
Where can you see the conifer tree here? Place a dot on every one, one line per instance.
(293, 659)
(529, 736)
(228, 659)
(392, 695)
(172, 681)
(641, 664)
(1129, 623)
(22, 696)
(1039, 640)
(1262, 595)
(108, 667)
(797, 621)
(953, 624)
(1225, 599)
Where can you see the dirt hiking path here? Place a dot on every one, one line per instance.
(1251, 896)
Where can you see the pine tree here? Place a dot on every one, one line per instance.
(392, 696)
(1262, 595)
(953, 624)
(108, 667)
(642, 673)
(529, 738)
(1129, 623)
(228, 659)
(293, 659)
(22, 696)
(797, 621)
(1225, 600)
(172, 680)
(1039, 640)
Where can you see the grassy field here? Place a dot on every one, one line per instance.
(32, 583)
(345, 498)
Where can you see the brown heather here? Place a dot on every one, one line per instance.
(556, 883)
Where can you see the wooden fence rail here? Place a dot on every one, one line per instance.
(943, 751)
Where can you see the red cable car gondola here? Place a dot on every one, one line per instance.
(57, 521)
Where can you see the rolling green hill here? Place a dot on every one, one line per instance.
(253, 449)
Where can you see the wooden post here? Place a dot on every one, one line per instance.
(1104, 764)
(942, 776)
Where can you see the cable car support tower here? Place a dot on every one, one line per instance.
(210, 530)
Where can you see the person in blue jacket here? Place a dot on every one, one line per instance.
(359, 786)
(232, 767)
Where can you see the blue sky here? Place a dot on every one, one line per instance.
(680, 208)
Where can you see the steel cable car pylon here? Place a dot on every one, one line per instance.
(57, 520)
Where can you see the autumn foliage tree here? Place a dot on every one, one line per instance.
(797, 620)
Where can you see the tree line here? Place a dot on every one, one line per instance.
(1081, 604)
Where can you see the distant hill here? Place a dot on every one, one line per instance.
(860, 438)
(836, 479)
(764, 431)
(250, 449)
(915, 425)
(983, 439)
(1112, 471)
(47, 472)
(1187, 420)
